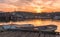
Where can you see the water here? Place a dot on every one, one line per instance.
(37, 22)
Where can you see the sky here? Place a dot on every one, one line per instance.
(30, 5)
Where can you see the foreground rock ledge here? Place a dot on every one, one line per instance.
(28, 34)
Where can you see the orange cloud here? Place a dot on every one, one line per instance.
(30, 5)
(7, 7)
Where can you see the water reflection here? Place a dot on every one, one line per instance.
(39, 22)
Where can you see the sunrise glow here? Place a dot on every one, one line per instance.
(30, 5)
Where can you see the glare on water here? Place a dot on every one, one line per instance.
(37, 23)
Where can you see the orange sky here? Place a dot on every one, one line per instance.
(30, 5)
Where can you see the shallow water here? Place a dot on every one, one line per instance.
(37, 22)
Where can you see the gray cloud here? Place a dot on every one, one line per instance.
(2, 1)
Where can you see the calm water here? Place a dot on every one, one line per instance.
(38, 23)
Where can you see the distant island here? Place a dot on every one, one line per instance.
(21, 16)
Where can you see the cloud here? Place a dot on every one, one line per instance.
(2, 1)
(47, 5)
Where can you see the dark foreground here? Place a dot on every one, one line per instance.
(28, 34)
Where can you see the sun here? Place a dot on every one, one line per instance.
(38, 9)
